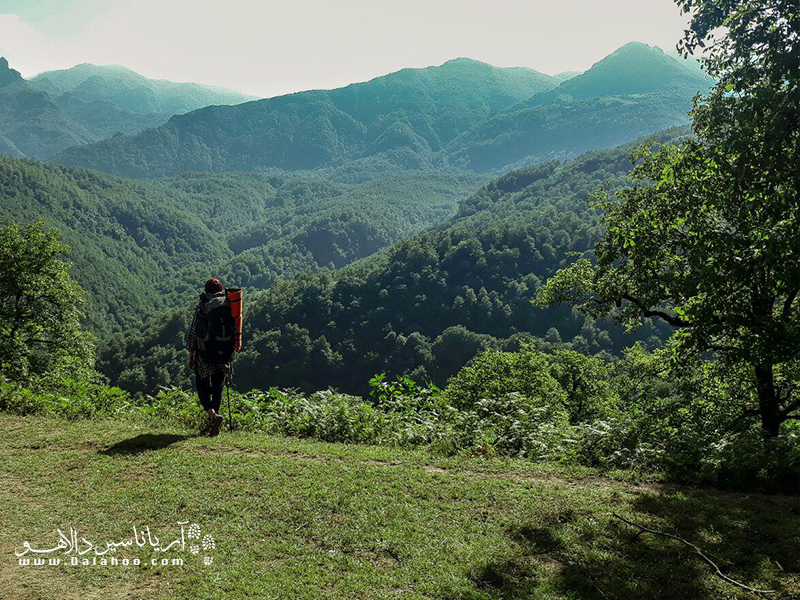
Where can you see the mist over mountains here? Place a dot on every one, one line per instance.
(87, 103)
(30, 122)
(132, 92)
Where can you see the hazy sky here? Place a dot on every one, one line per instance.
(267, 47)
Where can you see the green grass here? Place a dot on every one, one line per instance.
(302, 519)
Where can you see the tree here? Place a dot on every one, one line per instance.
(40, 315)
(585, 381)
(706, 239)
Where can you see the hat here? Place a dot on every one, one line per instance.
(213, 286)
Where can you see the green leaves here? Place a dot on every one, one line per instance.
(40, 315)
(701, 240)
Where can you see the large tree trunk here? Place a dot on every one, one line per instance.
(768, 400)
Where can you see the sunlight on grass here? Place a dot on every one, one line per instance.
(303, 519)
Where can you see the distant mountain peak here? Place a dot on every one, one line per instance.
(7, 74)
(635, 68)
(90, 68)
(634, 46)
(464, 60)
(640, 56)
(632, 51)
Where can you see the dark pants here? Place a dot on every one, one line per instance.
(209, 390)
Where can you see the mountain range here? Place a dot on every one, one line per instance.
(406, 117)
(87, 103)
(140, 246)
(463, 113)
(132, 92)
(633, 92)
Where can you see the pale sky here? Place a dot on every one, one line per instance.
(267, 47)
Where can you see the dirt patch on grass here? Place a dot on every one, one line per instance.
(589, 481)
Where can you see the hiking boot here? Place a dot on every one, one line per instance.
(215, 426)
(207, 429)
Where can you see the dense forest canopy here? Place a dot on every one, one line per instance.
(426, 305)
(139, 247)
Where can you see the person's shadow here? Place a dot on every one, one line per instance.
(143, 443)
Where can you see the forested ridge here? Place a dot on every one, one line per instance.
(632, 92)
(404, 118)
(140, 247)
(124, 237)
(426, 305)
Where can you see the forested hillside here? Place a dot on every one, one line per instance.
(141, 246)
(425, 306)
(310, 224)
(464, 112)
(635, 68)
(128, 240)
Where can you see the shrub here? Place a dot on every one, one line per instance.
(495, 374)
(70, 399)
(643, 412)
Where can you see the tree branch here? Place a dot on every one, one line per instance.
(787, 304)
(720, 574)
(793, 406)
(671, 319)
(751, 412)
(721, 348)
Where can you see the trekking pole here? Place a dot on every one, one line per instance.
(228, 380)
(230, 423)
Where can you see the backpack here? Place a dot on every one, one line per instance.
(216, 330)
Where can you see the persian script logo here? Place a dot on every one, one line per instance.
(75, 550)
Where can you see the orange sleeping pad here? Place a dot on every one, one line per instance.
(234, 296)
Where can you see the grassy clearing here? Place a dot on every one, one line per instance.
(302, 519)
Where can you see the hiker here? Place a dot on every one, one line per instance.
(211, 345)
